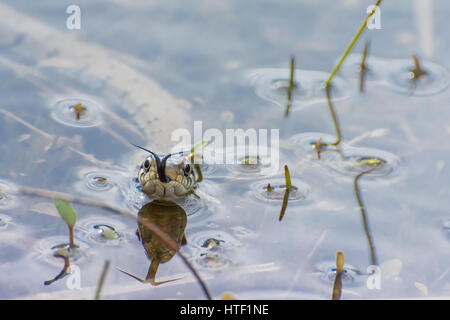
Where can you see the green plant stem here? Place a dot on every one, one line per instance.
(284, 204)
(287, 177)
(101, 281)
(351, 45)
(71, 241)
(373, 258)
(334, 116)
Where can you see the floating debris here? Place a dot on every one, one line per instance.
(107, 232)
(211, 243)
(77, 112)
(337, 287)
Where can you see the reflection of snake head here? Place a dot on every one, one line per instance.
(169, 177)
(169, 218)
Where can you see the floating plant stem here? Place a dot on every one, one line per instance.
(351, 45)
(337, 287)
(334, 116)
(101, 281)
(363, 67)
(292, 85)
(287, 177)
(69, 215)
(373, 258)
(286, 192)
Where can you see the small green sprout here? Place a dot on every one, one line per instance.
(69, 215)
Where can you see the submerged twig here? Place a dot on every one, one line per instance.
(124, 212)
(363, 67)
(373, 258)
(101, 281)
(292, 85)
(337, 287)
(334, 116)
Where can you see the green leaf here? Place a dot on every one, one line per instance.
(66, 212)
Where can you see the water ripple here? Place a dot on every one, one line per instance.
(271, 84)
(87, 114)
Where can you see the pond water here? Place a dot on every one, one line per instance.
(144, 69)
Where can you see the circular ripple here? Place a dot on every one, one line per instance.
(249, 161)
(5, 221)
(276, 191)
(104, 231)
(99, 180)
(7, 201)
(271, 85)
(214, 241)
(211, 260)
(350, 276)
(45, 250)
(132, 195)
(375, 66)
(65, 112)
(192, 205)
(400, 77)
(345, 159)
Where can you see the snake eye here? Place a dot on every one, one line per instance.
(146, 164)
(187, 170)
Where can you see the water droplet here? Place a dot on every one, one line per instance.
(103, 230)
(107, 232)
(77, 112)
(271, 85)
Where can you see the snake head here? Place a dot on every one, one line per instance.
(170, 177)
